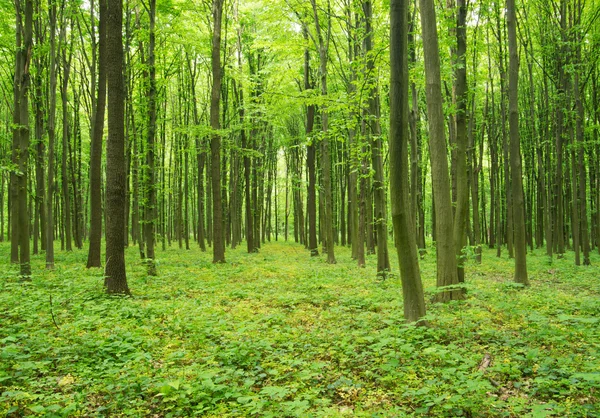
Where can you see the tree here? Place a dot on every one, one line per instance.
(24, 46)
(402, 219)
(39, 223)
(462, 185)
(383, 261)
(52, 14)
(94, 256)
(115, 277)
(520, 244)
(322, 44)
(311, 200)
(150, 186)
(66, 57)
(446, 254)
(215, 141)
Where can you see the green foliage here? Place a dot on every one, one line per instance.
(281, 334)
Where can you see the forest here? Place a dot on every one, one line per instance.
(300, 208)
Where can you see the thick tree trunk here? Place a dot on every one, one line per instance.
(446, 253)
(115, 278)
(22, 81)
(402, 218)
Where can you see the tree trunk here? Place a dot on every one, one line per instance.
(580, 167)
(39, 225)
(24, 44)
(380, 215)
(150, 207)
(64, 94)
(462, 185)
(416, 152)
(94, 253)
(403, 221)
(446, 253)
(323, 47)
(520, 244)
(311, 200)
(51, 139)
(215, 142)
(115, 278)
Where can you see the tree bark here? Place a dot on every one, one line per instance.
(22, 81)
(580, 168)
(323, 46)
(52, 12)
(150, 207)
(64, 94)
(380, 215)
(462, 184)
(446, 253)
(115, 277)
(520, 244)
(215, 142)
(94, 253)
(311, 200)
(403, 221)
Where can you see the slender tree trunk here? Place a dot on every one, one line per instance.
(39, 226)
(323, 46)
(380, 216)
(215, 142)
(64, 94)
(580, 168)
(416, 152)
(51, 138)
(311, 200)
(519, 235)
(94, 253)
(150, 207)
(462, 185)
(75, 175)
(200, 160)
(559, 213)
(362, 209)
(507, 231)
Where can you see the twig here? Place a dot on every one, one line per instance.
(485, 363)
(52, 313)
(487, 359)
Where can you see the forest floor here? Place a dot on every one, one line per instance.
(282, 334)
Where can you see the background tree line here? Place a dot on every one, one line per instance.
(232, 122)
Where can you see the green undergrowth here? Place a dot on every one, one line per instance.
(281, 334)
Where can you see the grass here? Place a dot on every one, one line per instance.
(280, 334)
